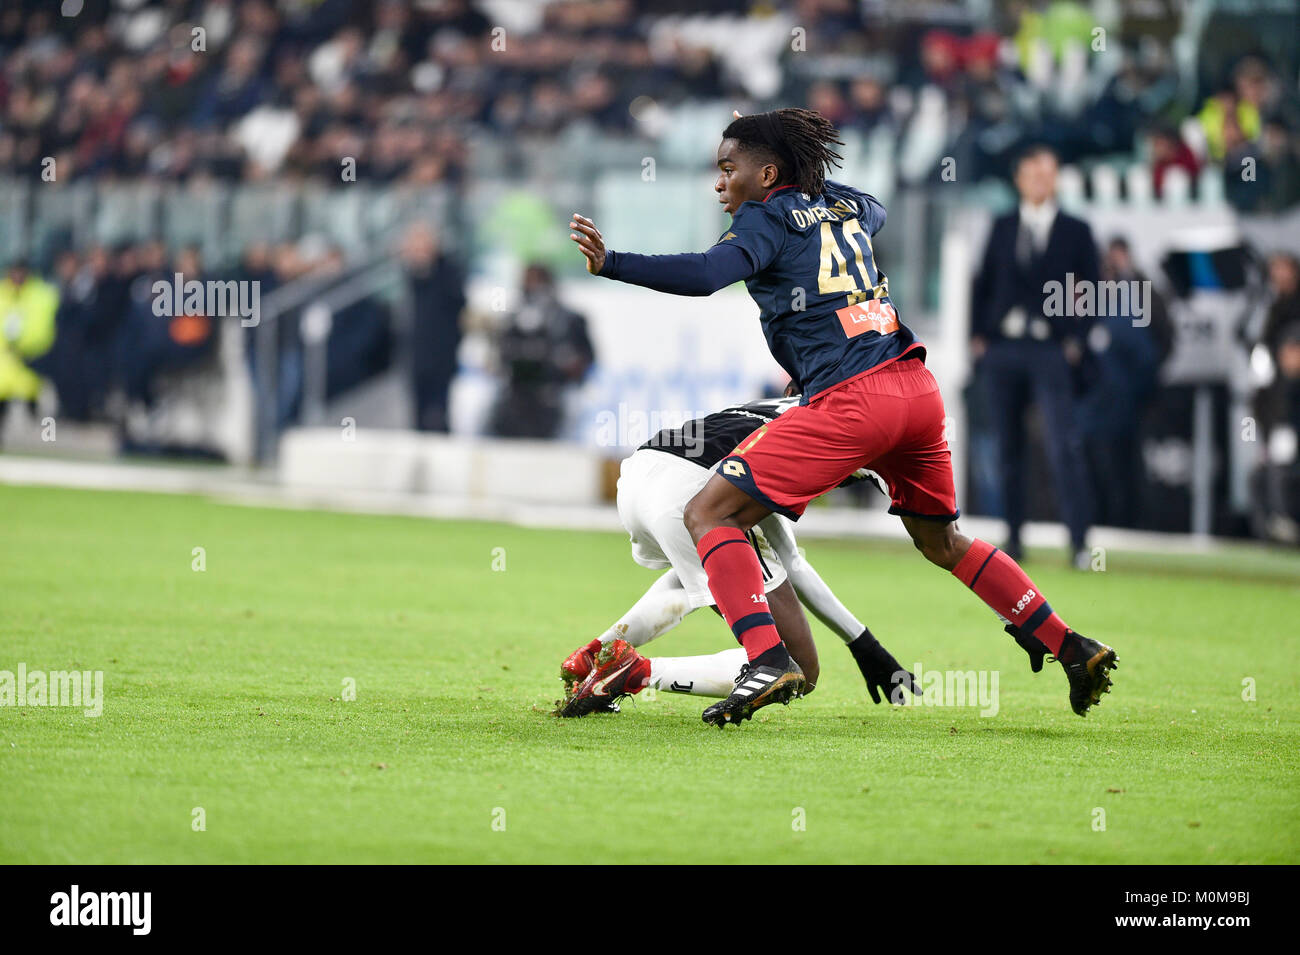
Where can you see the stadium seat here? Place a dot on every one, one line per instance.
(1137, 184)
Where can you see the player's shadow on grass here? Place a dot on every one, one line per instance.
(873, 725)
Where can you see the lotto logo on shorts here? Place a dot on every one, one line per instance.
(873, 315)
(734, 468)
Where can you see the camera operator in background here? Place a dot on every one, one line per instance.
(544, 351)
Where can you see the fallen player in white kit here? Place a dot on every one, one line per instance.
(654, 486)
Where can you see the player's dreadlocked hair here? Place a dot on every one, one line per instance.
(797, 140)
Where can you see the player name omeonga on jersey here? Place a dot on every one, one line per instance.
(1119, 298)
(836, 212)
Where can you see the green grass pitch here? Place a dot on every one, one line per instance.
(223, 690)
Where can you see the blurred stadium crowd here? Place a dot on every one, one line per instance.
(437, 93)
(418, 90)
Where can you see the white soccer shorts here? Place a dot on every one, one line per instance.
(653, 489)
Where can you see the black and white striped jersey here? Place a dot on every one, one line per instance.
(706, 441)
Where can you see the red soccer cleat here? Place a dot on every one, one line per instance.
(618, 671)
(578, 664)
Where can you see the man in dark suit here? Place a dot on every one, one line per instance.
(1029, 343)
(438, 289)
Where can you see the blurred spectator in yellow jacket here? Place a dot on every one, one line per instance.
(27, 307)
(1224, 110)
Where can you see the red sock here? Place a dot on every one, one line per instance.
(736, 582)
(999, 582)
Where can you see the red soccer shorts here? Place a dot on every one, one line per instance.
(890, 420)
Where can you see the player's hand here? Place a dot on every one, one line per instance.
(1031, 645)
(584, 232)
(881, 671)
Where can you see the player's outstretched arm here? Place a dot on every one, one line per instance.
(813, 592)
(796, 634)
(689, 273)
(883, 673)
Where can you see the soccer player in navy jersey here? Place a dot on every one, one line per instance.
(655, 484)
(802, 245)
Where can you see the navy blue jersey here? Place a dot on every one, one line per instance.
(823, 301)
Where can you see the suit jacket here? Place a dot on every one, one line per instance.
(1003, 283)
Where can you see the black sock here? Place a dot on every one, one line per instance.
(777, 656)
